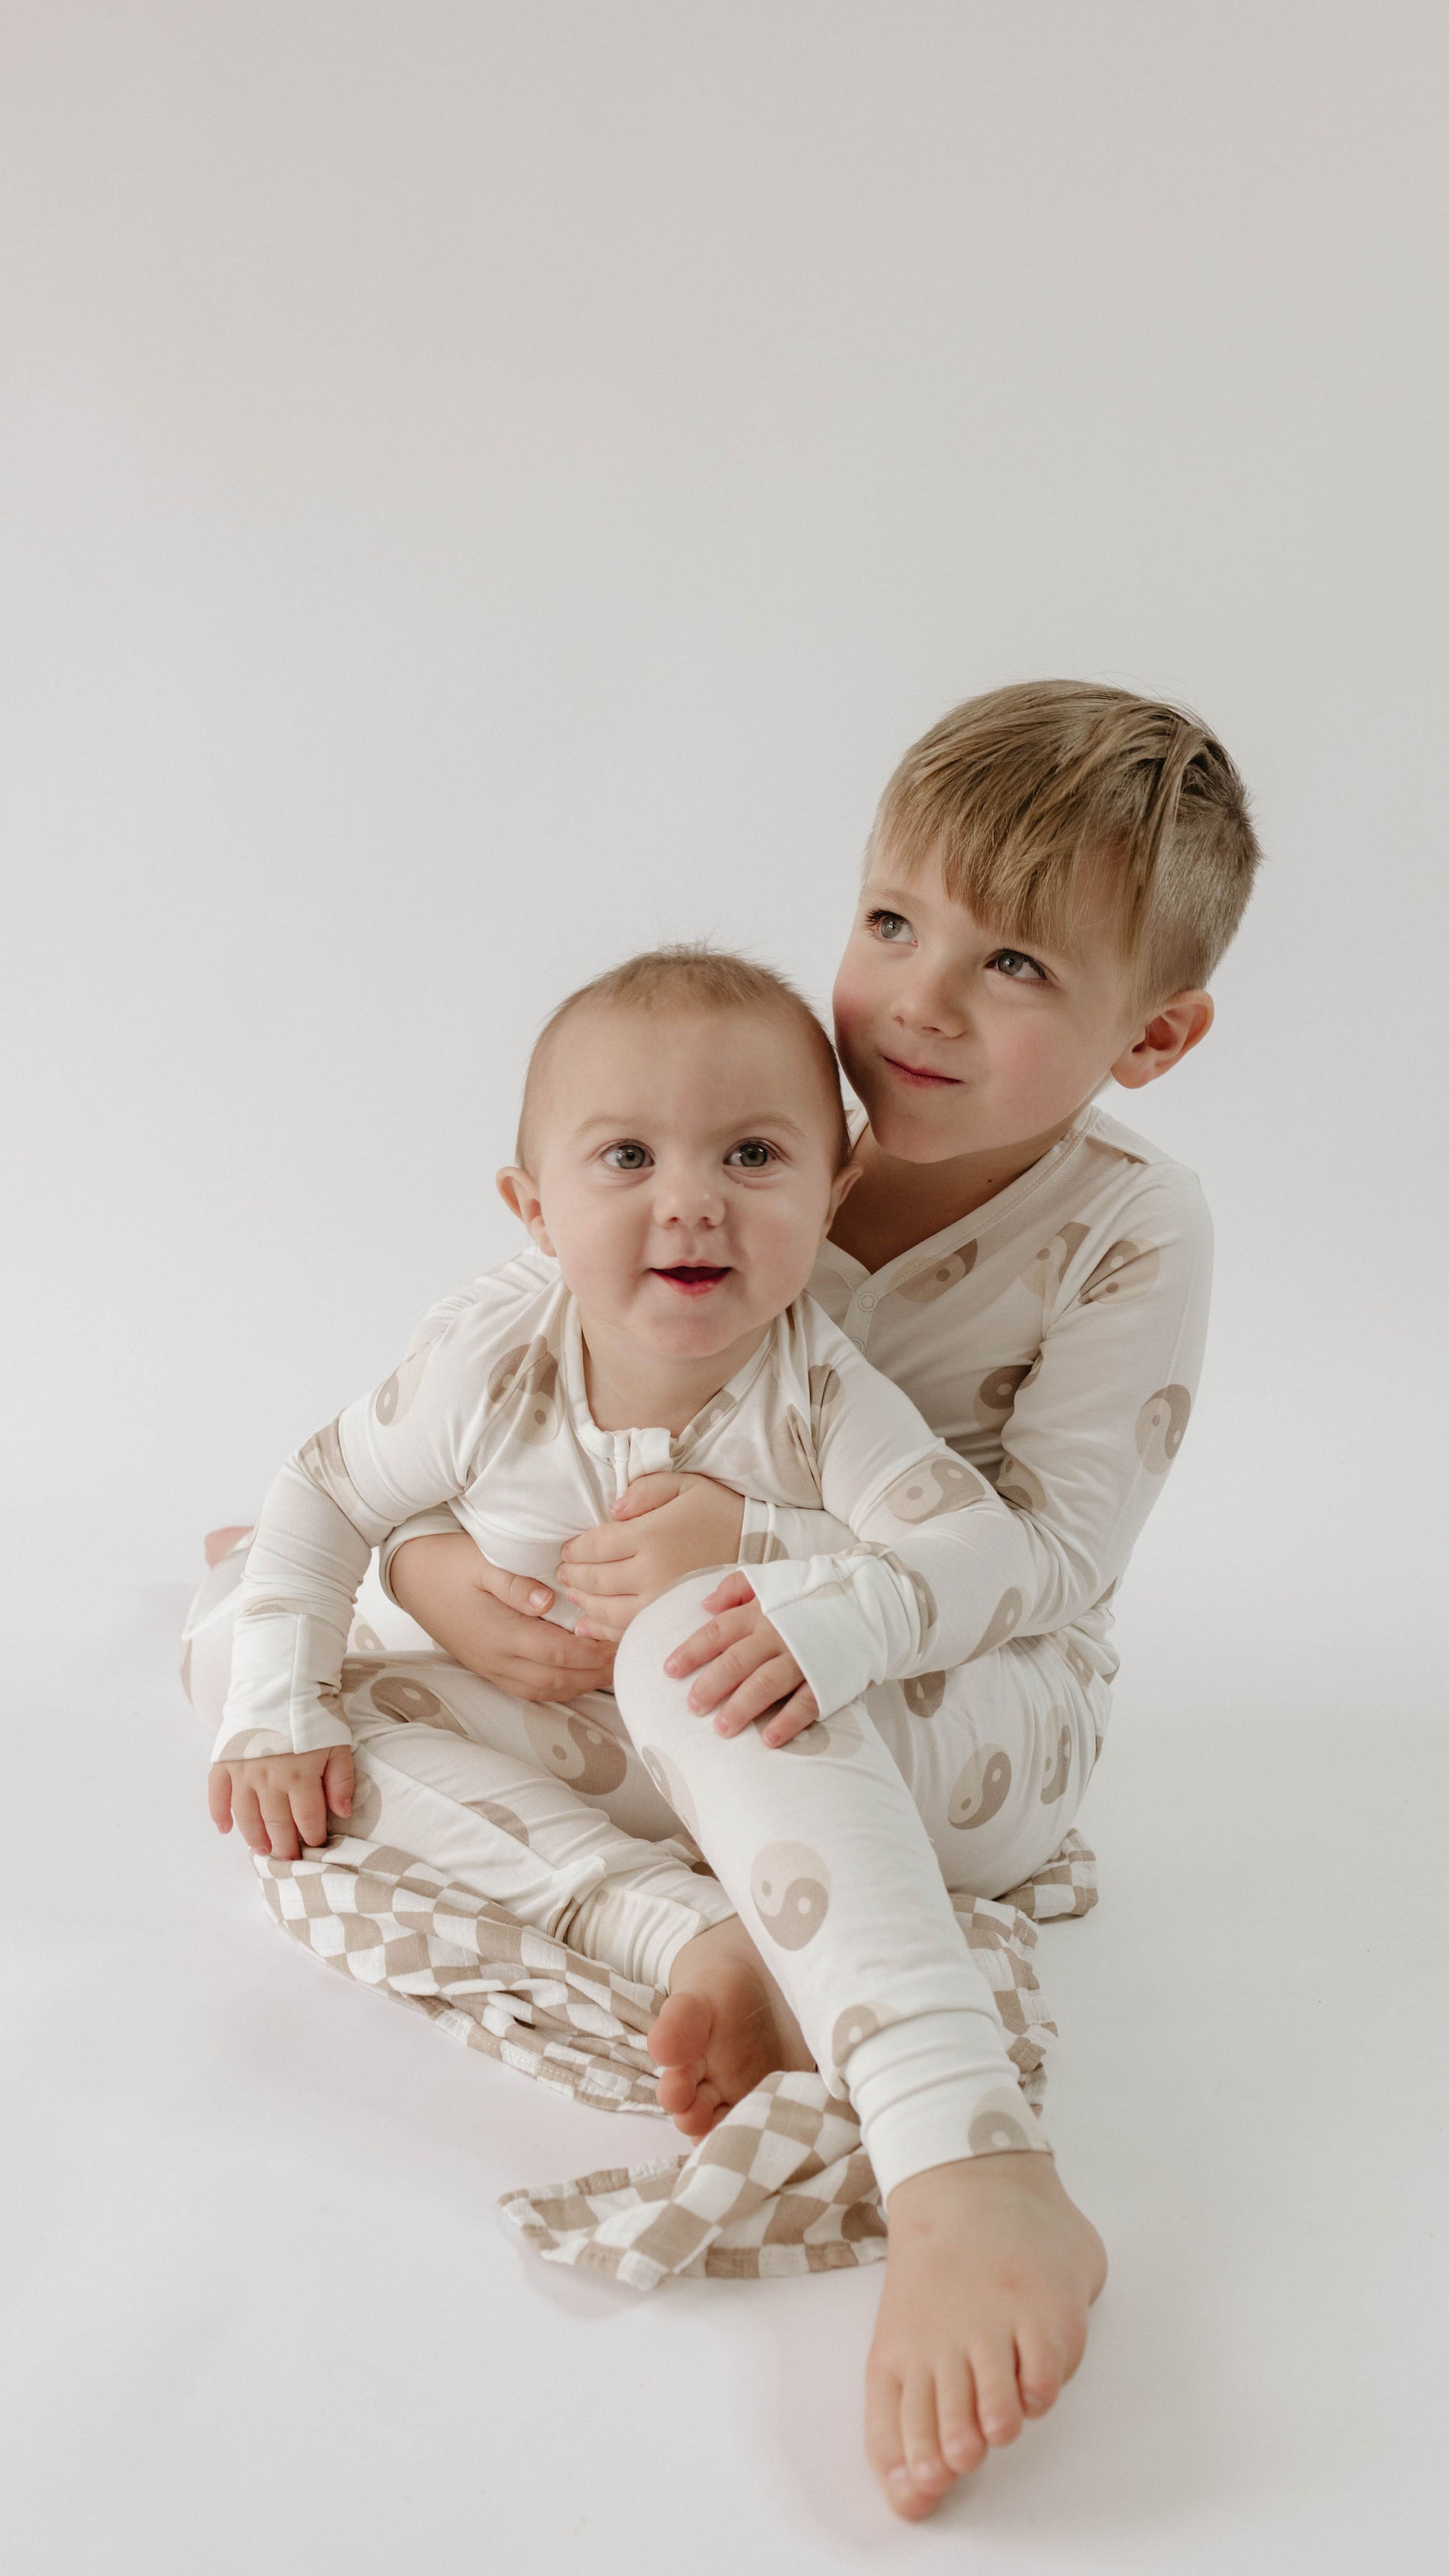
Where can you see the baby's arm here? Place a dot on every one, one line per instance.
(395, 1452)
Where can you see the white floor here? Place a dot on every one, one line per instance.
(261, 2314)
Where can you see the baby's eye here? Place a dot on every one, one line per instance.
(889, 925)
(754, 1154)
(633, 1157)
(1017, 967)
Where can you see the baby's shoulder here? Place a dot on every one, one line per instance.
(523, 1300)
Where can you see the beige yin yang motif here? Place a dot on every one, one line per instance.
(1000, 2125)
(790, 1885)
(321, 1460)
(396, 1393)
(1004, 1621)
(792, 1460)
(1160, 1427)
(761, 1547)
(825, 1402)
(1125, 1270)
(1055, 1782)
(1048, 1267)
(923, 1693)
(576, 1749)
(924, 1597)
(504, 1819)
(525, 1382)
(858, 2022)
(838, 1734)
(669, 1781)
(1019, 1486)
(922, 1287)
(938, 1484)
(397, 1696)
(998, 1391)
(981, 1789)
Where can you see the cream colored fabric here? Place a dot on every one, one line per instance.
(780, 2186)
(489, 1412)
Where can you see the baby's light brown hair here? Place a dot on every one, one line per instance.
(692, 976)
(1011, 793)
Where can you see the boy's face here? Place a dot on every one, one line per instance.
(685, 1173)
(957, 1042)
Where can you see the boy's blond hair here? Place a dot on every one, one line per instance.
(690, 976)
(1010, 793)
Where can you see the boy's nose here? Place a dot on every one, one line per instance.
(927, 1004)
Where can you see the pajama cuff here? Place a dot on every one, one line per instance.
(934, 2089)
(844, 1619)
(439, 1523)
(638, 1925)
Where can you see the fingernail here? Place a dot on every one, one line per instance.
(539, 1598)
(902, 2486)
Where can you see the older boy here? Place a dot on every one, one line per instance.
(1053, 873)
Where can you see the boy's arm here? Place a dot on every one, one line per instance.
(1092, 1431)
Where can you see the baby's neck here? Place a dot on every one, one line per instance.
(629, 1388)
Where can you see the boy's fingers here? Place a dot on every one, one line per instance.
(646, 1494)
(218, 1797)
(521, 1592)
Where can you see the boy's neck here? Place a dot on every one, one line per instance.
(896, 1205)
(629, 1389)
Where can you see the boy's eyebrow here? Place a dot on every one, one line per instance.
(901, 898)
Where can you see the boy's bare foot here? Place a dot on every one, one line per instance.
(990, 2271)
(219, 1543)
(725, 2026)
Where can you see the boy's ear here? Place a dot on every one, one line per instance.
(840, 1189)
(1174, 1029)
(519, 1192)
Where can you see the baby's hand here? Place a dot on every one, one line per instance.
(280, 1800)
(744, 1667)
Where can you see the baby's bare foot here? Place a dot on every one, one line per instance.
(990, 2271)
(725, 2026)
(220, 1542)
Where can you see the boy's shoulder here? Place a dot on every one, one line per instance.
(1114, 1161)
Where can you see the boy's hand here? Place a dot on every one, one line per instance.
(744, 1667)
(492, 1622)
(280, 1800)
(665, 1526)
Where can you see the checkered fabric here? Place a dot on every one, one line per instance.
(781, 2185)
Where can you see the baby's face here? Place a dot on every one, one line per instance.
(958, 1043)
(685, 1172)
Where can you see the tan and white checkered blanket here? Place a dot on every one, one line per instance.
(781, 2185)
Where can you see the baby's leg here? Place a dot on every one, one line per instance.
(545, 1810)
(990, 2267)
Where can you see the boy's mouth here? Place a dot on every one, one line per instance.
(694, 1278)
(918, 1073)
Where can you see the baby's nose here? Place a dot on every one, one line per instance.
(689, 1198)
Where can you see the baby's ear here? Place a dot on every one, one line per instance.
(841, 1187)
(519, 1192)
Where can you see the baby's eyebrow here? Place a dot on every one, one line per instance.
(771, 1121)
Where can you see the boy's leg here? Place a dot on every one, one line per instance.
(990, 2267)
(996, 1756)
(533, 1807)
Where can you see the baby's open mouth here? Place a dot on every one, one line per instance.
(694, 1276)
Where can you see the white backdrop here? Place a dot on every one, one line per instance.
(488, 487)
(484, 487)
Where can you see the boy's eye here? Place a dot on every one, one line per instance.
(633, 1157)
(1017, 967)
(754, 1154)
(889, 925)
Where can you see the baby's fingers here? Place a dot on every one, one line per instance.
(759, 1690)
(338, 1780)
(249, 1817)
(309, 1809)
(218, 1796)
(791, 1720)
(281, 1832)
(731, 1594)
(706, 1643)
